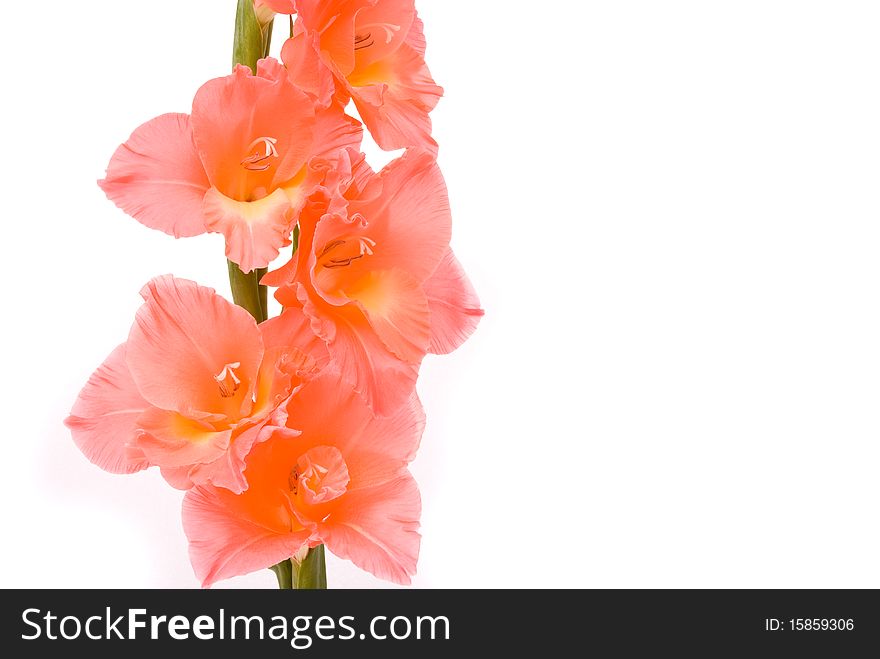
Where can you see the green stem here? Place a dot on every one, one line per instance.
(247, 292)
(311, 574)
(251, 43)
(284, 572)
(264, 293)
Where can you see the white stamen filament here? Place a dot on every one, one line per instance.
(256, 162)
(228, 373)
(366, 245)
(365, 248)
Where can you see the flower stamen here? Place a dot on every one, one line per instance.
(256, 162)
(228, 380)
(329, 247)
(365, 248)
(388, 28)
(362, 41)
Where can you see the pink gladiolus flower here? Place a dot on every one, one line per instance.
(235, 167)
(375, 51)
(340, 479)
(375, 274)
(196, 385)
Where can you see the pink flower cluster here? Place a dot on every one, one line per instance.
(296, 431)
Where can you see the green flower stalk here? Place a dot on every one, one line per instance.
(250, 44)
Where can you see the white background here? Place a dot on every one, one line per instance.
(670, 210)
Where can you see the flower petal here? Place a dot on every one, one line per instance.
(223, 545)
(376, 528)
(384, 381)
(234, 115)
(301, 56)
(410, 220)
(173, 440)
(385, 445)
(104, 417)
(416, 37)
(335, 131)
(397, 309)
(157, 177)
(324, 408)
(334, 21)
(293, 329)
(255, 231)
(394, 95)
(183, 337)
(376, 449)
(227, 469)
(455, 307)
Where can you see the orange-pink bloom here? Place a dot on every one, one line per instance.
(339, 478)
(372, 51)
(194, 387)
(235, 166)
(375, 275)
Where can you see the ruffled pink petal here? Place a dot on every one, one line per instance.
(230, 474)
(381, 29)
(336, 131)
(334, 20)
(236, 116)
(227, 470)
(376, 528)
(103, 420)
(183, 337)
(397, 310)
(416, 37)
(177, 477)
(455, 307)
(394, 95)
(326, 182)
(385, 445)
(157, 177)
(173, 440)
(271, 69)
(361, 174)
(219, 458)
(255, 231)
(282, 371)
(409, 221)
(384, 381)
(223, 545)
(282, 275)
(326, 408)
(394, 121)
(376, 449)
(306, 68)
(293, 329)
